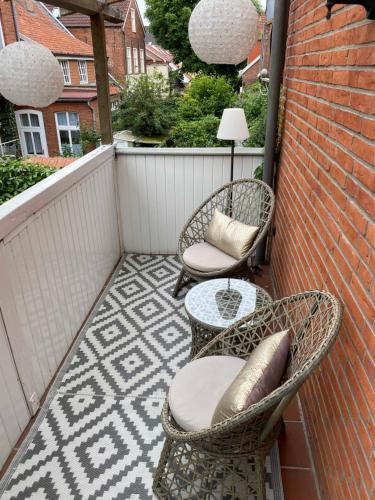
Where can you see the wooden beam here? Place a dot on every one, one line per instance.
(90, 8)
(102, 79)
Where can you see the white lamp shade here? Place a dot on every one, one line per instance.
(233, 125)
(30, 75)
(223, 31)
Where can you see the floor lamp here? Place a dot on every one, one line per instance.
(233, 127)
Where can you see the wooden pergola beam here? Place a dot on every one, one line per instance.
(99, 11)
(91, 8)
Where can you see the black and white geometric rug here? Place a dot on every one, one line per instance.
(98, 435)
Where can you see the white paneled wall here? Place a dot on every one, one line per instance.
(59, 243)
(14, 413)
(160, 188)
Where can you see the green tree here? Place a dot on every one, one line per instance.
(169, 20)
(146, 107)
(207, 95)
(18, 175)
(254, 102)
(195, 134)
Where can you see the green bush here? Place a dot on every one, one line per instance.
(207, 95)
(146, 107)
(18, 175)
(254, 102)
(195, 134)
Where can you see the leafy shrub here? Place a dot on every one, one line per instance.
(146, 107)
(89, 137)
(254, 102)
(195, 134)
(207, 95)
(18, 175)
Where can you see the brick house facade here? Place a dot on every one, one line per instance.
(125, 44)
(325, 231)
(56, 128)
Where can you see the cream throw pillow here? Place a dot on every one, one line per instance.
(258, 378)
(229, 235)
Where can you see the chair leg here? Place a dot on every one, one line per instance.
(158, 475)
(178, 285)
(261, 478)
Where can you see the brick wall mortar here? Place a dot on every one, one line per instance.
(325, 234)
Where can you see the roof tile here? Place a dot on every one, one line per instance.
(37, 24)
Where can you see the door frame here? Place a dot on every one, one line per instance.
(41, 129)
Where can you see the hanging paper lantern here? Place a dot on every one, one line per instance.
(223, 31)
(30, 75)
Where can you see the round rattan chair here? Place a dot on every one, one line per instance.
(249, 201)
(227, 460)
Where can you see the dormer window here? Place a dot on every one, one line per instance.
(132, 16)
(66, 71)
(82, 66)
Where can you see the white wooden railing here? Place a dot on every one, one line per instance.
(59, 242)
(159, 189)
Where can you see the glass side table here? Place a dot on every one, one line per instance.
(211, 310)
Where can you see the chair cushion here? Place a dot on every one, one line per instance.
(229, 235)
(259, 377)
(198, 387)
(207, 258)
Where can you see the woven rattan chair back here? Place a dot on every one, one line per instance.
(249, 201)
(313, 319)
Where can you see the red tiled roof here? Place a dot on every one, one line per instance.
(156, 53)
(75, 94)
(84, 94)
(36, 24)
(77, 20)
(54, 162)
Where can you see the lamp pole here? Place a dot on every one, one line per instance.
(232, 162)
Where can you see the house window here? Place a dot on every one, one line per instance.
(66, 71)
(2, 42)
(68, 133)
(132, 15)
(31, 131)
(115, 105)
(82, 66)
(136, 62)
(142, 56)
(129, 69)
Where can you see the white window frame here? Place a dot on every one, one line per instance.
(133, 20)
(142, 58)
(64, 63)
(135, 60)
(2, 41)
(67, 128)
(22, 129)
(82, 70)
(129, 64)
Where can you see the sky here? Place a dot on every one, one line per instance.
(142, 6)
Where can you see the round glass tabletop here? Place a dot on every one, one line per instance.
(213, 304)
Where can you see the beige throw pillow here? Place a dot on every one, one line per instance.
(229, 235)
(258, 378)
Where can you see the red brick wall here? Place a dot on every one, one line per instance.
(325, 232)
(251, 74)
(7, 22)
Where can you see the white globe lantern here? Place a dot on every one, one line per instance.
(223, 31)
(30, 75)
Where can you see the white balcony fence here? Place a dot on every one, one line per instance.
(61, 239)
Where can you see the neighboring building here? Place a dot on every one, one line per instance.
(158, 60)
(250, 73)
(125, 43)
(56, 129)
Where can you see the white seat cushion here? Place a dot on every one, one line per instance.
(197, 389)
(207, 258)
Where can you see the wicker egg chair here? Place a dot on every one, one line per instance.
(228, 459)
(249, 201)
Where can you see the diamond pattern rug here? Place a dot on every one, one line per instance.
(98, 434)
